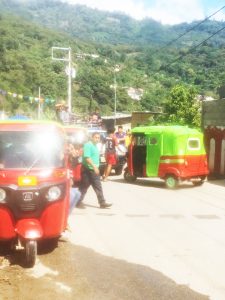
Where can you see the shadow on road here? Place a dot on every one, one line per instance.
(220, 182)
(155, 183)
(75, 272)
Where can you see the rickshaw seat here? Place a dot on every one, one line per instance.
(139, 158)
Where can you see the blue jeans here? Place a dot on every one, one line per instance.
(74, 198)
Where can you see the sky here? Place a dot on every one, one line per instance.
(165, 11)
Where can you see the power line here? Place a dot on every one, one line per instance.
(188, 30)
(192, 28)
(194, 47)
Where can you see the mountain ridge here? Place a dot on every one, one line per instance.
(152, 66)
(94, 25)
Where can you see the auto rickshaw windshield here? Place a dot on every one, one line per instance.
(28, 149)
(77, 137)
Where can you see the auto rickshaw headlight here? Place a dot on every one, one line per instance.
(2, 195)
(54, 193)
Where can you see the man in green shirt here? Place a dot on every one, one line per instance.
(90, 174)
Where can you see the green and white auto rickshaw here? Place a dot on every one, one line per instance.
(172, 153)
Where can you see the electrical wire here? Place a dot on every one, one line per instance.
(192, 28)
(193, 48)
(187, 31)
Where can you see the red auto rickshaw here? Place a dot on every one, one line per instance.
(34, 185)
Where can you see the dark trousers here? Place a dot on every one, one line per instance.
(88, 177)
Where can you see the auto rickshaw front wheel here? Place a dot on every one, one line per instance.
(171, 182)
(30, 253)
(128, 177)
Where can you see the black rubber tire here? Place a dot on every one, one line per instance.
(198, 183)
(129, 178)
(171, 182)
(5, 247)
(119, 170)
(48, 245)
(30, 253)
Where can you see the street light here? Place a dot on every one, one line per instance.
(69, 71)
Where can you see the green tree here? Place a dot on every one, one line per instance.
(182, 107)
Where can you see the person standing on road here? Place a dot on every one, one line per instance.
(121, 135)
(90, 174)
(110, 152)
(128, 138)
(74, 164)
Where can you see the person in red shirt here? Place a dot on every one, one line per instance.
(110, 152)
(74, 164)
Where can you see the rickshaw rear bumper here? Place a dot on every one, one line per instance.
(182, 171)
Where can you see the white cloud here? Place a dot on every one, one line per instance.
(165, 11)
(129, 7)
(220, 16)
(176, 11)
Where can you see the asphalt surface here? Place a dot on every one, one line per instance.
(152, 244)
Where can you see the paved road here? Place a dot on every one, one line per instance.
(153, 243)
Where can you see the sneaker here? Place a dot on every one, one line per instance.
(80, 205)
(105, 205)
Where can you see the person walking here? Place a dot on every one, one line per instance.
(110, 153)
(90, 174)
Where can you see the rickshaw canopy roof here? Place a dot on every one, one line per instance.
(170, 129)
(171, 140)
(29, 125)
(74, 129)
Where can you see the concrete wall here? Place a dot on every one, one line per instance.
(124, 121)
(213, 121)
(142, 118)
(213, 113)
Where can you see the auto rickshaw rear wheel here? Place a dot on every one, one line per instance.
(119, 170)
(128, 177)
(199, 181)
(171, 182)
(5, 247)
(30, 253)
(48, 245)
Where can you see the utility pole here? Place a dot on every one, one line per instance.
(115, 97)
(39, 104)
(69, 71)
(116, 69)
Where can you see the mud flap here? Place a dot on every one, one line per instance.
(29, 229)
